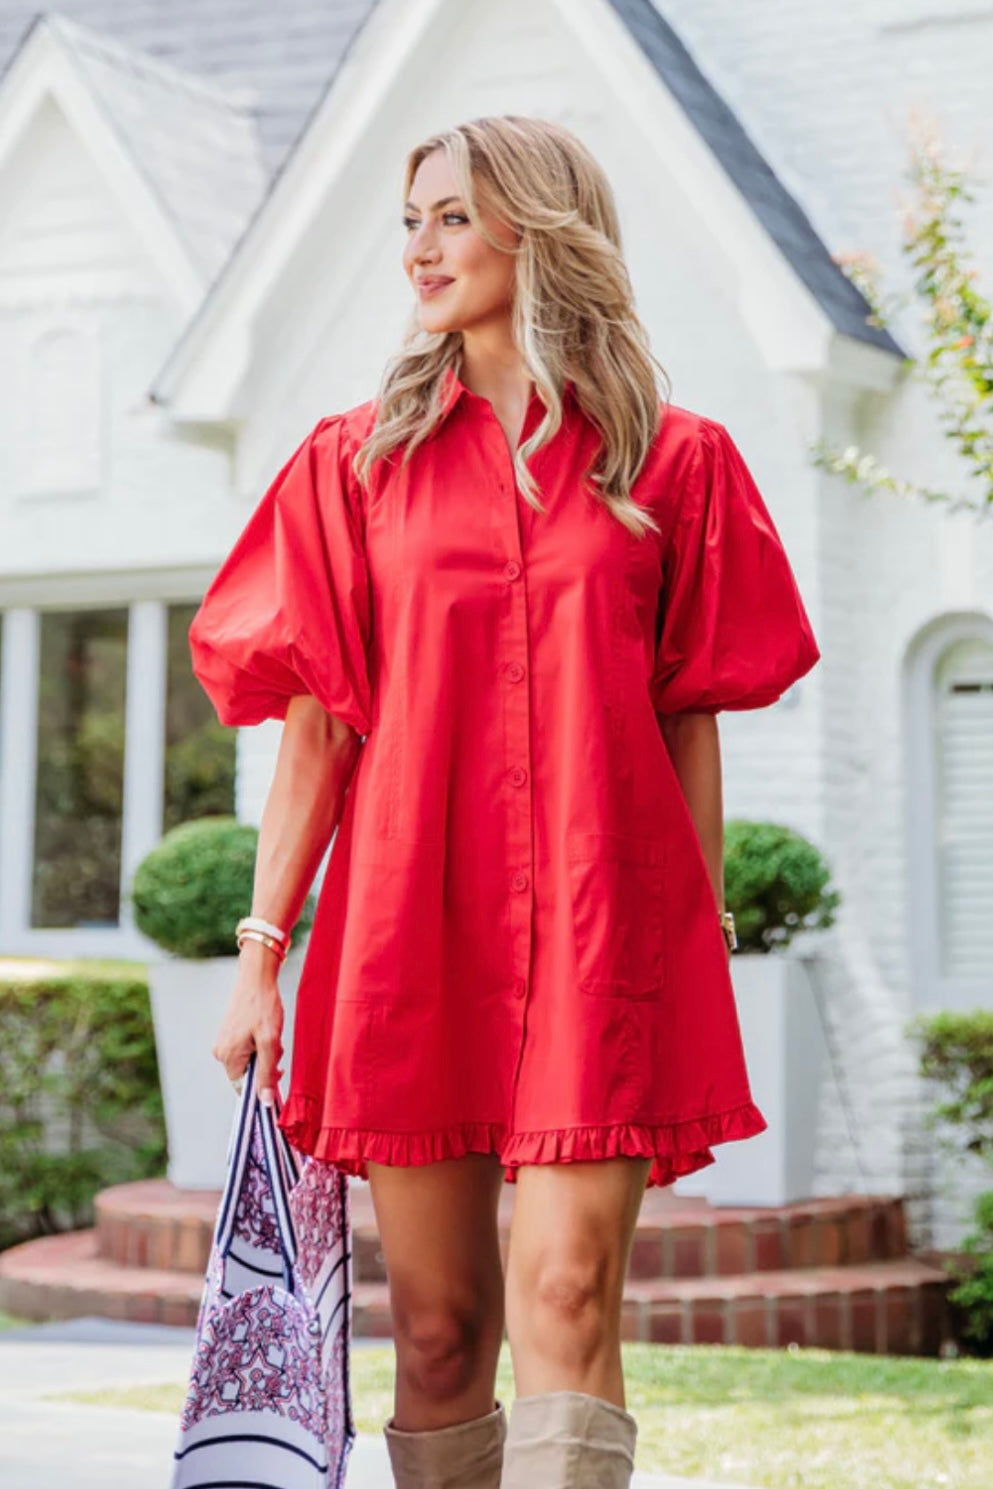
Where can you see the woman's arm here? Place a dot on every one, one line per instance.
(317, 755)
(694, 747)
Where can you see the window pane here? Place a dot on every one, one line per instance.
(965, 808)
(80, 782)
(199, 752)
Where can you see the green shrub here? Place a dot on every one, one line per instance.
(80, 1105)
(190, 891)
(776, 883)
(973, 1290)
(956, 1054)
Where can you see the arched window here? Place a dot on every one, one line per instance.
(949, 813)
(64, 411)
(963, 737)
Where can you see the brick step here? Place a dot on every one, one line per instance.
(895, 1306)
(885, 1307)
(153, 1224)
(890, 1307)
(65, 1276)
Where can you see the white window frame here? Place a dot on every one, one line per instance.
(147, 599)
(932, 990)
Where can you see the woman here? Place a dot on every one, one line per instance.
(499, 608)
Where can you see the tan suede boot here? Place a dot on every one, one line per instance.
(568, 1440)
(464, 1455)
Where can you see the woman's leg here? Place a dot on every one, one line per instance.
(570, 1243)
(438, 1227)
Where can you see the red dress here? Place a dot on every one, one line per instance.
(516, 948)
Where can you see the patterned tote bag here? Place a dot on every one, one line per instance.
(269, 1397)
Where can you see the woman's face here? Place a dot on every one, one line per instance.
(459, 280)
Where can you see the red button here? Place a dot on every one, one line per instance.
(520, 881)
(518, 775)
(512, 569)
(520, 987)
(515, 671)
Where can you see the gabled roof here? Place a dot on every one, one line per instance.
(273, 67)
(277, 57)
(195, 145)
(779, 212)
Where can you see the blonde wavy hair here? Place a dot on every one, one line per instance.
(573, 307)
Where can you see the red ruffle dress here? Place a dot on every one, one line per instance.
(516, 948)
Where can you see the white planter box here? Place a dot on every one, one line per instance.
(189, 999)
(786, 1056)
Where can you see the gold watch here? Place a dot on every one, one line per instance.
(727, 926)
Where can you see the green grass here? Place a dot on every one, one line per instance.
(776, 1419)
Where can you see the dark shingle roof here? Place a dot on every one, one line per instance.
(780, 214)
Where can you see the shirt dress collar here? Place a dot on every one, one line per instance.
(453, 388)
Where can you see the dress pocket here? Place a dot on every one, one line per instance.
(392, 941)
(616, 884)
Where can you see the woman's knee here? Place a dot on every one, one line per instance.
(570, 1290)
(563, 1308)
(569, 1247)
(569, 1295)
(439, 1345)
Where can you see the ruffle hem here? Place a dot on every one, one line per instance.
(676, 1148)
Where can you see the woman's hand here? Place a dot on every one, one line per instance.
(253, 1020)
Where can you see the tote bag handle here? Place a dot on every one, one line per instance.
(281, 1171)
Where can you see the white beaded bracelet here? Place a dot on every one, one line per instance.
(256, 923)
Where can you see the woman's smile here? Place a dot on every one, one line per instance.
(432, 286)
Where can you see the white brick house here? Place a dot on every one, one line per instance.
(199, 256)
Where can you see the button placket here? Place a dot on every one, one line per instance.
(518, 799)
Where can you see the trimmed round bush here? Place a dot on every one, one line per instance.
(194, 886)
(776, 882)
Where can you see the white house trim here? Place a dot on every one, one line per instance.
(18, 748)
(784, 318)
(43, 71)
(861, 366)
(202, 376)
(144, 741)
(103, 587)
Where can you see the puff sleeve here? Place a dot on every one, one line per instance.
(289, 611)
(733, 632)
